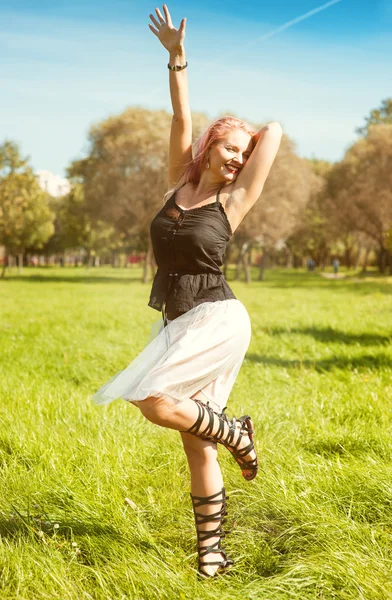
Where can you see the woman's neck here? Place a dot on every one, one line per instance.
(207, 187)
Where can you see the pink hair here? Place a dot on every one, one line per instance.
(211, 136)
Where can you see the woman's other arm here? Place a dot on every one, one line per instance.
(249, 184)
(180, 149)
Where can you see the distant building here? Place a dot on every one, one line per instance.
(53, 184)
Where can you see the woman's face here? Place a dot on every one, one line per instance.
(229, 154)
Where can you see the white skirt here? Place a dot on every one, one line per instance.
(197, 355)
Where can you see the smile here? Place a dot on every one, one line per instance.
(231, 169)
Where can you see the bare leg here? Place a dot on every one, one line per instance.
(202, 455)
(179, 416)
(174, 415)
(206, 480)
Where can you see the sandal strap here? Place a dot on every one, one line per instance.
(221, 423)
(218, 518)
(226, 560)
(201, 500)
(245, 451)
(196, 425)
(213, 418)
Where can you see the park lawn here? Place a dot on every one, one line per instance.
(317, 380)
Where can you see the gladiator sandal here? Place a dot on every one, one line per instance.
(223, 561)
(222, 431)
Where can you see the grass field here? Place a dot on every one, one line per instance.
(317, 521)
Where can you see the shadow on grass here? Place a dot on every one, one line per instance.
(276, 278)
(340, 286)
(23, 525)
(280, 536)
(73, 279)
(381, 361)
(330, 447)
(353, 282)
(63, 534)
(328, 334)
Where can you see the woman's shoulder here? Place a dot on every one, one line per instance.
(170, 193)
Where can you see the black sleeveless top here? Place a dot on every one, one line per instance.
(189, 246)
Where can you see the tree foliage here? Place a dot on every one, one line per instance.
(274, 218)
(378, 116)
(308, 208)
(125, 173)
(360, 187)
(25, 215)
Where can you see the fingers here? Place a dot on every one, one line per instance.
(153, 19)
(161, 19)
(167, 16)
(182, 26)
(153, 30)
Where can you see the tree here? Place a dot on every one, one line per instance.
(360, 189)
(275, 215)
(25, 216)
(311, 235)
(124, 176)
(382, 115)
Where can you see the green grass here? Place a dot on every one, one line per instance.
(317, 380)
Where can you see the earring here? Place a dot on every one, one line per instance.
(208, 164)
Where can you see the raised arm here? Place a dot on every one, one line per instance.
(249, 184)
(180, 149)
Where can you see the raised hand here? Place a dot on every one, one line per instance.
(170, 37)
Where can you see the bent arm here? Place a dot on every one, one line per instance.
(250, 182)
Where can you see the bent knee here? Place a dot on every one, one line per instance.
(156, 410)
(197, 449)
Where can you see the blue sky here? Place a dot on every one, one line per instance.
(64, 66)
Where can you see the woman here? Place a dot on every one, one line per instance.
(182, 379)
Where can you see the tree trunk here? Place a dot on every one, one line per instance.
(262, 266)
(243, 261)
(20, 263)
(358, 258)
(382, 260)
(365, 260)
(148, 262)
(5, 264)
(324, 258)
(113, 258)
(246, 262)
(348, 257)
(89, 259)
(297, 261)
(238, 268)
